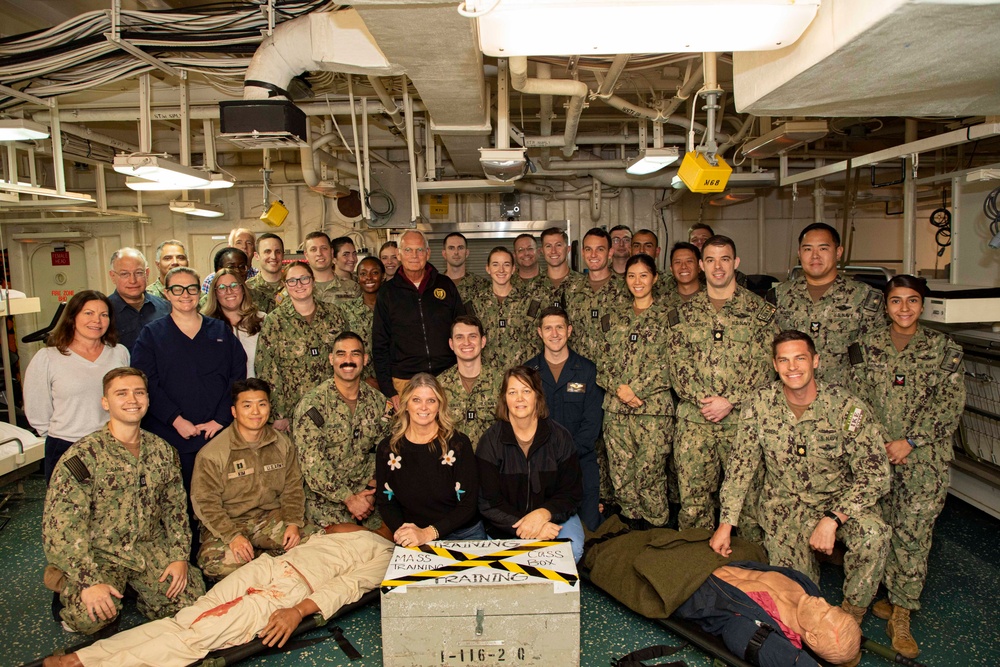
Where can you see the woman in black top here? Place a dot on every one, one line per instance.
(425, 472)
(530, 480)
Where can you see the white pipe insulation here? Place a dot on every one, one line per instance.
(577, 92)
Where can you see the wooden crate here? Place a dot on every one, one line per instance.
(503, 603)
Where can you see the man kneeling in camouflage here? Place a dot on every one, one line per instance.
(247, 487)
(116, 515)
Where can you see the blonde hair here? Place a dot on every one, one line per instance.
(445, 424)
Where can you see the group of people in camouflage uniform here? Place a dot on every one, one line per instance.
(843, 446)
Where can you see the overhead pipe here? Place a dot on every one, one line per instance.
(577, 91)
(686, 90)
(198, 112)
(738, 137)
(392, 109)
(610, 81)
(671, 199)
(591, 139)
(544, 71)
(656, 115)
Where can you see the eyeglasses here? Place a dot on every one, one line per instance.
(621, 240)
(177, 290)
(228, 288)
(304, 280)
(138, 275)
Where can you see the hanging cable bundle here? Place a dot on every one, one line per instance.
(941, 219)
(992, 212)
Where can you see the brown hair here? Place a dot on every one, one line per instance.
(123, 372)
(531, 378)
(250, 321)
(446, 427)
(65, 330)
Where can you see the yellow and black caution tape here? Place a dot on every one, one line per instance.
(496, 561)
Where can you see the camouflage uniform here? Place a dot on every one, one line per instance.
(294, 354)
(831, 459)
(587, 308)
(157, 289)
(545, 291)
(846, 312)
(337, 449)
(249, 489)
(111, 518)
(920, 394)
(264, 293)
(472, 412)
(470, 284)
(725, 353)
(510, 325)
(336, 291)
(637, 440)
(672, 299)
(359, 320)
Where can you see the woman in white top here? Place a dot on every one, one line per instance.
(63, 383)
(230, 301)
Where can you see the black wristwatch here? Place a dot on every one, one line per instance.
(833, 515)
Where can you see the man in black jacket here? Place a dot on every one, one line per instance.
(412, 323)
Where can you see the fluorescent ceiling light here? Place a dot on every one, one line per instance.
(23, 188)
(19, 129)
(197, 208)
(159, 169)
(787, 136)
(216, 181)
(652, 159)
(606, 27)
(503, 164)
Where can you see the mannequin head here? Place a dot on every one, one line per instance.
(829, 631)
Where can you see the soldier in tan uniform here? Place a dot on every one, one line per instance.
(247, 488)
(116, 515)
(718, 358)
(471, 386)
(913, 376)
(833, 310)
(337, 426)
(295, 343)
(824, 470)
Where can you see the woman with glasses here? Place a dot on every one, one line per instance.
(296, 341)
(229, 300)
(62, 386)
(191, 362)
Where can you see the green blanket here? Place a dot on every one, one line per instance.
(653, 572)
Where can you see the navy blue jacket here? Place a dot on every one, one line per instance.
(725, 611)
(574, 401)
(190, 377)
(129, 321)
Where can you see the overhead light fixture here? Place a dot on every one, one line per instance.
(732, 196)
(20, 129)
(787, 136)
(704, 173)
(216, 181)
(607, 27)
(503, 165)
(197, 208)
(652, 159)
(160, 169)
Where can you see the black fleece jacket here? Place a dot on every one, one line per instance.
(512, 484)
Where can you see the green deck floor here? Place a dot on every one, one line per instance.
(959, 625)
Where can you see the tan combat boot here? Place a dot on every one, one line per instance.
(882, 609)
(898, 629)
